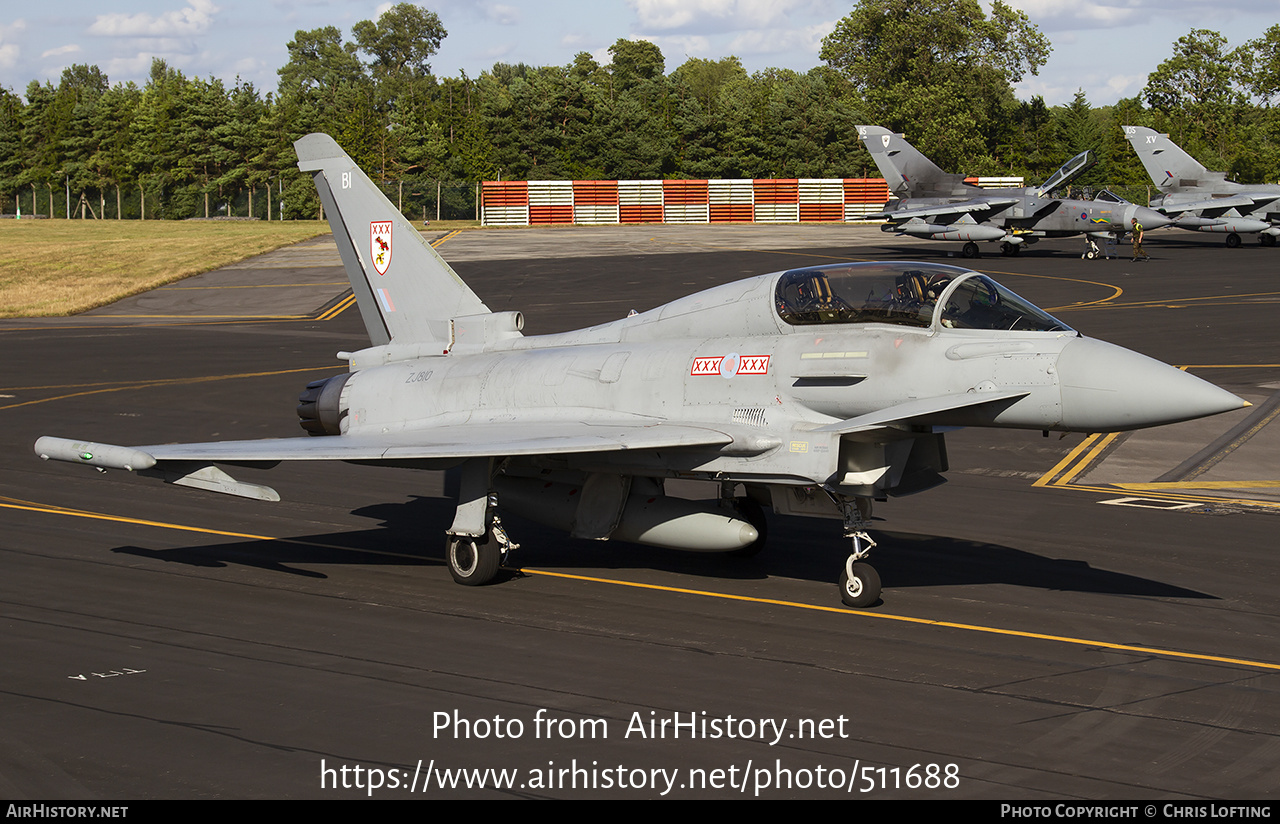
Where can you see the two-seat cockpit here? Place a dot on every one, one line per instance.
(905, 294)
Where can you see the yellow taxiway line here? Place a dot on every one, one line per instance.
(1062, 475)
(1062, 639)
(350, 300)
(30, 506)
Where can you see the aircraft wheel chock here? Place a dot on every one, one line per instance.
(863, 589)
(472, 562)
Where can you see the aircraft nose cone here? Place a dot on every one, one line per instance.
(1150, 218)
(1107, 388)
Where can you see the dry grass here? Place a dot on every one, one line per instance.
(61, 267)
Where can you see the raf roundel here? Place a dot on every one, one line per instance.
(380, 245)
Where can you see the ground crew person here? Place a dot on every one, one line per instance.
(1138, 253)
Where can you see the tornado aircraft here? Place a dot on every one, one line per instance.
(930, 203)
(1201, 200)
(810, 392)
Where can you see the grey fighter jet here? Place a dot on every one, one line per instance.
(816, 390)
(928, 202)
(1201, 200)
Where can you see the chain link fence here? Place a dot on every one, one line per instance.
(419, 199)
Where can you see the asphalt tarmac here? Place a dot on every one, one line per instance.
(1069, 618)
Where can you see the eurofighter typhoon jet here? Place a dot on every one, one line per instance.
(816, 390)
(1202, 200)
(930, 203)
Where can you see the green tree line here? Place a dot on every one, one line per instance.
(940, 71)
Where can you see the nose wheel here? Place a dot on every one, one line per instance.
(859, 583)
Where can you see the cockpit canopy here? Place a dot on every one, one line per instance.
(905, 294)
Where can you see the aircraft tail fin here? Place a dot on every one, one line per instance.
(406, 292)
(908, 173)
(1168, 165)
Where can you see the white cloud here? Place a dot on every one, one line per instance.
(1082, 14)
(502, 14)
(196, 18)
(1056, 16)
(712, 16)
(249, 67)
(10, 50)
(807, 39)
(675, 50)
(137, 66)
(1099, 88)
(1125, 85)
(70, 48)
(498, 52)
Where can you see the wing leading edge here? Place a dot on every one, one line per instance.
(191, 464)
(461, 441)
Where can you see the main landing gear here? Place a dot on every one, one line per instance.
(859, 582)
(476, 544)
(969, 250)
(474, 561)
(1233, 241)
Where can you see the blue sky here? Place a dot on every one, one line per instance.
(1106, 47)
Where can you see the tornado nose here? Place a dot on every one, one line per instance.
(1150, 218)
(1107, 388)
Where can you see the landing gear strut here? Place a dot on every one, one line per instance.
(476, 544)
(859, 582)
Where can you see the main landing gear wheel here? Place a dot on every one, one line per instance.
(969, 250)
(472, 562)
(1009, 249)
(1233, 241)
(1267, 240)
(862, 588)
